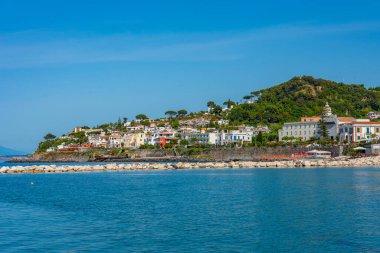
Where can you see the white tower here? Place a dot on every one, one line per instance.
(327, 110)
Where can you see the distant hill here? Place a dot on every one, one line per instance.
(306, 96)
(9, 152)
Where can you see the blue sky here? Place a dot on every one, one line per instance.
(70, 63)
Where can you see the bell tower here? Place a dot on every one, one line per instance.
(327, 110)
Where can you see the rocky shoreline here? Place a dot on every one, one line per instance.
(166, 159)
(336, 162)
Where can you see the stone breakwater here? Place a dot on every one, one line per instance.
(338, 162)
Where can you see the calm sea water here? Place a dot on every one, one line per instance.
(245, 210)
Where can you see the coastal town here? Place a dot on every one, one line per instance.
(190, 126)
(200, 130)
(149, 134)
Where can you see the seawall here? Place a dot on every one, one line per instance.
(184, 155)
(338, 162)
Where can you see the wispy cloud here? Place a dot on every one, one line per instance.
(36, 48)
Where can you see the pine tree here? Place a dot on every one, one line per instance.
(322, 128)
(260, 139)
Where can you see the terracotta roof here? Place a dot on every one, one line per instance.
(167, 138)
(346, 118)
(365, 123)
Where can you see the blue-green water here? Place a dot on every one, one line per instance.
(245, 210)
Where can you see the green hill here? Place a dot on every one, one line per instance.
(305, 96)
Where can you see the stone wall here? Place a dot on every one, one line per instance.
(219, 154)
(244, 154)
(341, 162)
(258, 153)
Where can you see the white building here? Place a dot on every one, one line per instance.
(304, 130)
(234, 136)
(116, 141)
(223, 122)
(135, 128)
(308, 127)
(202, 138)
(373, 115)
(98, 140)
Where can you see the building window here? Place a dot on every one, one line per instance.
(359, 138)
(367, 130)
(377, 130)
(358, 129)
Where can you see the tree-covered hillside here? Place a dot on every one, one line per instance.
(305, 96)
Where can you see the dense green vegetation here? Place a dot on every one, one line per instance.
(45, 145)
(52, 141)
(289, 101)
(305, 96)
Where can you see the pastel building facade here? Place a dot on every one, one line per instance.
(359, 131)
